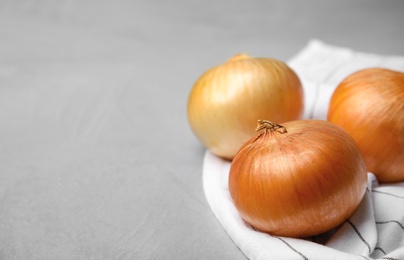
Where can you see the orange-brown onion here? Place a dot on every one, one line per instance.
(369, 105)
(227, 100)
(300, 179)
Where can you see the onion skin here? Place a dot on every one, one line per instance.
(369, 105)
(299, 183)
(227, 100)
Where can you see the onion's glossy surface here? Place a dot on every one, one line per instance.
(298, 182)
(369, 105)
(227, 100)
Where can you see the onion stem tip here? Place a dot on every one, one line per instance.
(270, 126)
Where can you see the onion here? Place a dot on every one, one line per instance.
(369, 105)
(297, 180)
(227, 100)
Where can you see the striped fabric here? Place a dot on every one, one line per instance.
(374, 231)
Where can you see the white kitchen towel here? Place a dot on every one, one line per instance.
(374, 231)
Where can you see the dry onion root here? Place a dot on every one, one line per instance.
(369, 105)
(300, 179)
(227, 100)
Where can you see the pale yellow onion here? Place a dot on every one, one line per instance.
(369, 105)
(227, 100)
(300, 179)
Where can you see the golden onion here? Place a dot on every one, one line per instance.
(227, 100)
(300, 179)
(369, 105)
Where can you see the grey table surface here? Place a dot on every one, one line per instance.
(97, 160)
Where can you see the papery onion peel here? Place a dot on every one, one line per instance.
(300, 179)
(227, 100)
(369, 105)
